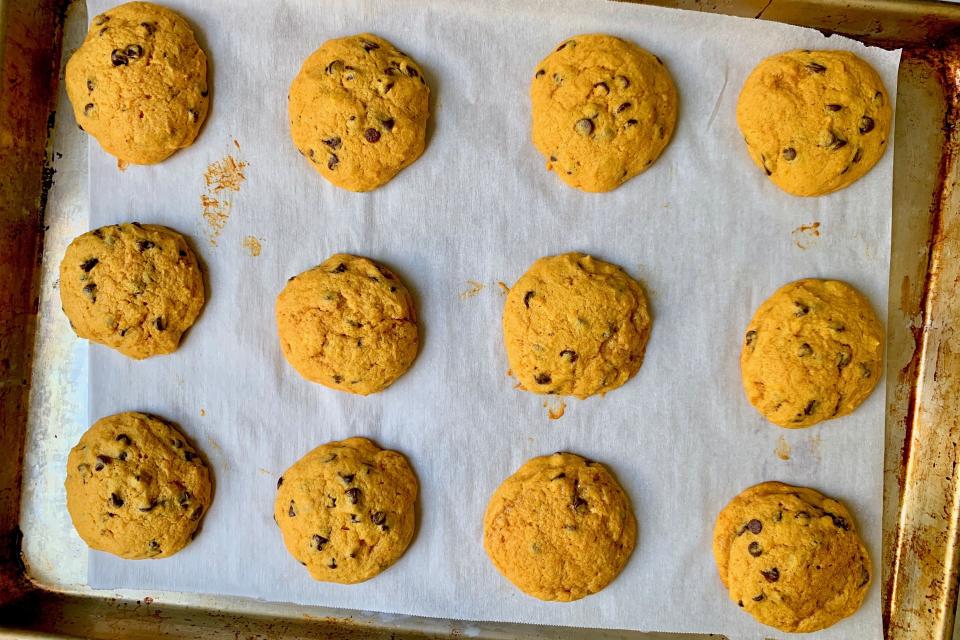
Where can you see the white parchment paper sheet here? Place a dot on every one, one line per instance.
(703, 229)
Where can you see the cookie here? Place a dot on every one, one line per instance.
(813, 351)
(347, 510)
(575, 326)
(132, 287)
(791, 557)
(560, 528)
(358, 111)
(138, 83)
(603, 110)
(814, 121)
(136, 488)
(349, 324)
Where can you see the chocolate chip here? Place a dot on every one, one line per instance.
(844, 357)
(189, 456)
(412, 72)
(804, 350)
(540, 73)
(117, 500)
(333, 563)
(88, 108)
(559, 476)
(754, 549)
(388, 124)
(149, 507)
(193, 115)
(371, 135)
(815, 67)
(184, 499)
(569, 355)
(102, 460)
(864, 576)
(865, 371)
(387, 88)
(740, 603)
(789, 153)
(122, 456)
(802, 309)
(808, 410)
(838, 521)
(543, 378)
(526, 298)
(319, 542)
(98, 233)
(160, 324)
(759, 597)
(83, 468)
(623, 107)
(182, 253)
(101, 19)
(771, 575)
(857, 156)
(196, 513)
(118, 58)
(601, 88)
(133, 51)
(834, 107)
(563, 46)
(143, 245)
(750, 337)
(754, 526)
(578, 504)
(89, 264)
(866, 124)
(154, 546)
(340, 268)
(622, 81)
(658, 59)
(353, 494)
(149, 27)
(631, 122)
(334, 67)
(583, 126)
(177, 443)
(378, 518)
(369, 46)
(346, 477)
(337, 379)
(90, 291)
(279, 481)
(204, 93)
(291, 512)
(333, 161)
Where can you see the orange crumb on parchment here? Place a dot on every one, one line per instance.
(252, 244)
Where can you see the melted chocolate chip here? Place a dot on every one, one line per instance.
(102, 460)
(143, 245)
(160, 324)
(759, 597)
(333, 161)
(378, 518)
(150, 507)
(133, 51)
(292, 512)
(583, 126)
(334, 67)
(100, 20)
(184, 499)
(88, 108)
(196, 513)
(559, 476)
(346, 477)
(815, 67)
(371, 135)
(526, 298)
(623, 107)
(754, 549)
(543, 378)
(789, 153)
(89, 264)
(340, 268)
(569, 355)
(353, 494)
(771, 575)
(149, 27)
(116, 500)
(319, 542)
(388, 124)
(834, 107)
(750, 337)
(804, 350)
(154, 546)
(754, 526)
(802, 309)
(369, 46)
(808, 410)
(90, 291)
(189, 456)
(857, 156)
(117, 58)
(279, 481)
(540, 73)
(866, 125)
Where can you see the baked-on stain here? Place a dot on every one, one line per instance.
(252, 244)
(221, 176)
(475, 288)
(783, 449)
(806, 235)
(555, 409)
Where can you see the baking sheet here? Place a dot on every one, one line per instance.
(708, 235)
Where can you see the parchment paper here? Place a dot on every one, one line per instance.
(706, 232)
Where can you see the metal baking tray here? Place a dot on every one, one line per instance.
(42, 198)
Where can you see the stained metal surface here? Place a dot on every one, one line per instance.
(921, 502)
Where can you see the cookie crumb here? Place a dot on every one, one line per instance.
(475, 288)
(216, 213)
(225, 174)
(783, 449)
(504, 289)
(122, 165)
(252, 244)
(555, 409)
(202, 412)
(806, 235)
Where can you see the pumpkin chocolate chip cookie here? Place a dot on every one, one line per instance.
(347, 510)
(138, 83)
(358, 111)
(575, 325)
(813, 351)
(135, 487)
(814, 121)
(603, 110)
(348, 324)
(791, 557)
(560, 528)
(135, 288)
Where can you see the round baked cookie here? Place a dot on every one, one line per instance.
(138, 83)
(132, 287)
(603, 110)
(813, 351)
(575, 326)
(814, 121)
(348, 324)
(560, 528)
(347, 510)
(135, 487)
(791, 557)
(358, 111)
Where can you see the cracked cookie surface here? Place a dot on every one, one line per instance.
(135, 288)
(358, 111)
(348, 324)
(791, 557)
(560, 528)
(135, 486)
(814, 121)
(603, 110)
(575, 325)
(347, 510)
(138, 83)
(813, 351)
